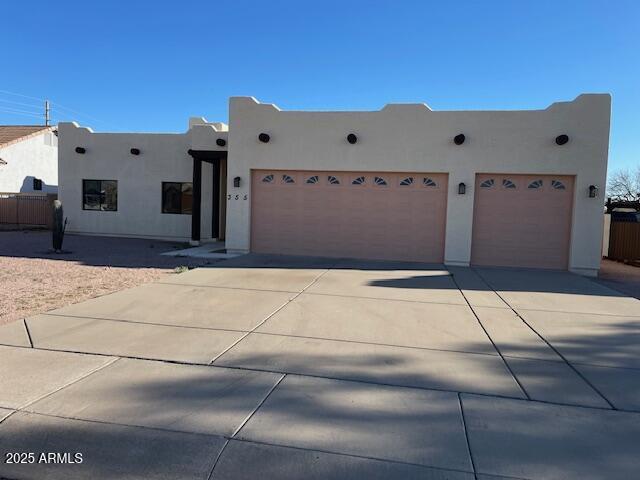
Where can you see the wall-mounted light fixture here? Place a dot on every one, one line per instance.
(264, 137)
(459, 139)
(462, 188)
(80, 150)
(593, 191)
(135, 151)
(352, 138)
(221, 142)
(236, 182)
(562, 139)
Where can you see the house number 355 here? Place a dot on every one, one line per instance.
(238, 197)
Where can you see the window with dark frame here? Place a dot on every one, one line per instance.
(37, 184)
(177, 197)
(100, 195)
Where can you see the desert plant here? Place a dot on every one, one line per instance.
(59, 226)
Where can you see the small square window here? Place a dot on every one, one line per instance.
(177, 197)
(100, 195)
(37, 184)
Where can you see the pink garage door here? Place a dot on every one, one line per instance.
(391, 216)
(522, 220)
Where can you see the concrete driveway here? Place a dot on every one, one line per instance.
(276, 367)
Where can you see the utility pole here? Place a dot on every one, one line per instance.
(46, 113)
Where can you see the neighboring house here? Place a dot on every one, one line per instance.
(28, 159)
(507, 188)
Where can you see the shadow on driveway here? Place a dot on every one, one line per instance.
(95, 250)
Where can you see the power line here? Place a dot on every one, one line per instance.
(19, 103)
(21, 95)
(58, 106)
(19, 112)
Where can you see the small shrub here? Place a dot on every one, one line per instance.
(181, 269)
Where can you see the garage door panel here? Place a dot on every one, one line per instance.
(349, 214)
(522, 220)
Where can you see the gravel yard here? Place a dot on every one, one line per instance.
(34, 280)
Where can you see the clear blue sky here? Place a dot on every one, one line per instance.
(149, 65)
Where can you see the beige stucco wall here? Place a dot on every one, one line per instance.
(163, 158)
(34, 156)
(414, 138)
(606, 234)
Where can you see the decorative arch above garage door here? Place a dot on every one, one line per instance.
(522, 220)
(376, 215)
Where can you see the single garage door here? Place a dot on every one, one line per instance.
(522, 220)
(390, 216)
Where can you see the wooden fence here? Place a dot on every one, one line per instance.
(624, 241)
(26, 209)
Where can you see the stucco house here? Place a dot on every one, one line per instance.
(504, 188)
(28, 159)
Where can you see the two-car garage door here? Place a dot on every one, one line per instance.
(394, 216)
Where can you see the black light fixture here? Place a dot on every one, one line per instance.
(80, 150)
(236, 182)
(593, 191)
(221, 142)
(562, 139)
(462, 188)
(264, 137)
(352, 138)
(135, 151)
(459, 139)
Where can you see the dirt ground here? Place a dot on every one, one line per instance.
(34, 280)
